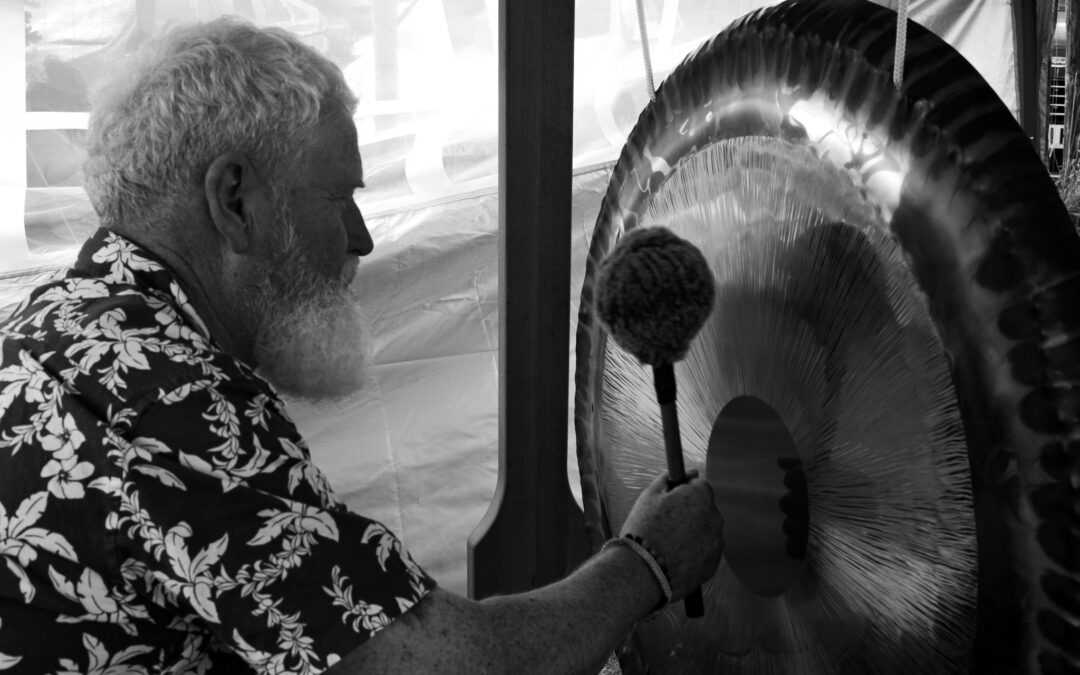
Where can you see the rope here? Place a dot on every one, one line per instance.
(649, 87)
(901, 44)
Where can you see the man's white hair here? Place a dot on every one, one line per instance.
(201, 91)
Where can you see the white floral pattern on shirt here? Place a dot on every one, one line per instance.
(159, 512)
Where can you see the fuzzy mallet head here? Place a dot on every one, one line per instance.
(654, 292)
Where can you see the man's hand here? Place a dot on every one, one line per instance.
(683, 526)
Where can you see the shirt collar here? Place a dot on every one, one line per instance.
(116, 259)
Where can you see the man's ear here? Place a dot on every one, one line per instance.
(234, 195)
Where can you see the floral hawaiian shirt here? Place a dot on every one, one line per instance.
(159, 512)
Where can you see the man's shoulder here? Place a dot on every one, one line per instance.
(96, 333)
(79, 307)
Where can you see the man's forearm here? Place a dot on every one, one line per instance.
(570, 626)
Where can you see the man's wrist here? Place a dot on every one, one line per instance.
(651, 561)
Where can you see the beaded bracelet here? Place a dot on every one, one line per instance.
(651, 558)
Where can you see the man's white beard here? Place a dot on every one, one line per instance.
(311, 342)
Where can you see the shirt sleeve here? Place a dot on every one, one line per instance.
(224, 522)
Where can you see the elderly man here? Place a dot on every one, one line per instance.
(158, 510)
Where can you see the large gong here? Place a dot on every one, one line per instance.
(893, 357)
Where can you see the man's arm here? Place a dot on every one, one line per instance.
(570, 626)
(567, 627)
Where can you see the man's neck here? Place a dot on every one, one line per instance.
(206, 283)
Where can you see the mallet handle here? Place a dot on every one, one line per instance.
(664, 381)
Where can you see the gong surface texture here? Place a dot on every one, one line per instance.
(898, 310)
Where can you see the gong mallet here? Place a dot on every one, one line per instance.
(654, 292)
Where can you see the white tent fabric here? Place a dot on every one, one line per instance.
(417, 448)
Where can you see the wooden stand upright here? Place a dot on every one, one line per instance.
(533, 531)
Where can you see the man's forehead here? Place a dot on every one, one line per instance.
(335, 152)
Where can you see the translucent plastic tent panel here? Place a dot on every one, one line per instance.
(417, 449)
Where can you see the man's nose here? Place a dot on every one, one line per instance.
(360, 241)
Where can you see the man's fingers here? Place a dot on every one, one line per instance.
(712, 495)
(659, 485)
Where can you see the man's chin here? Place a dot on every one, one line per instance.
(316, 352)
(315, 384)
(312, 340)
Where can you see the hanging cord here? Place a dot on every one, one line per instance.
(649, 87)
(901, 44)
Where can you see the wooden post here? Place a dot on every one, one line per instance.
(533, 530)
